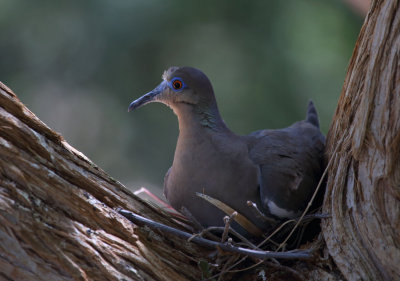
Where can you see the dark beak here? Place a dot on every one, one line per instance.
(147, 98)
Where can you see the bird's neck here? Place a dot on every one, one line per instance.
(199, 119)
(200, 132)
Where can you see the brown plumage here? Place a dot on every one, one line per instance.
(276, 169)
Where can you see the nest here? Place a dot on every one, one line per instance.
(287, 241)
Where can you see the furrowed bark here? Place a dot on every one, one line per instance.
(57, 220)
(363, 189)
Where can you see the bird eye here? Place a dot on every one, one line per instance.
(177, 84)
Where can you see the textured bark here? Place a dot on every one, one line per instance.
(56, 213)
(363, 189)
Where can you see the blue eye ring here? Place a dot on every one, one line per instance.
(177, 84)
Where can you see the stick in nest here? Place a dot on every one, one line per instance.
(141, 221)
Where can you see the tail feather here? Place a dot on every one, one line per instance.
(312, 115)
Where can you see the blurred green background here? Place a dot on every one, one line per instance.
(78, 65)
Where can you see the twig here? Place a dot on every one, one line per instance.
(275, 232)
(292, 271)
(231, 231)
(139, 220)
(224, 269)
(191, 218)
(228, 221)
(240, 219)
(259, 214)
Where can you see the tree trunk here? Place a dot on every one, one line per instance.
(363, 189)
(57, 209)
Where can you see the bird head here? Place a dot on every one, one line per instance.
(180, 85)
